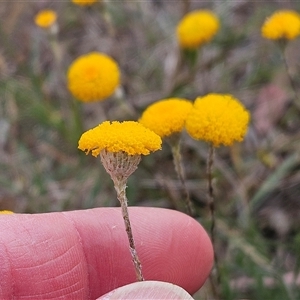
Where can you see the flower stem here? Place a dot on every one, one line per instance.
(77, 127)
(185, 7)
(293, 84)
(210, 191)
(211, 204)
(177, 159)
(120, 187)
(181, 176)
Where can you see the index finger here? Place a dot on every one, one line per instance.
(85, 254)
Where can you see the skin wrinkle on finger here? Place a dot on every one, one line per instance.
(37, 269)
(182, 250)
(6, 290)
(164, 249)
(106, 247)
(73, 224)
(63, 291)
(44, 264)
(121, 255)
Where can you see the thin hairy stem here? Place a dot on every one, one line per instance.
(121, 195)
(177, 159)
(185, 6)
(77, 119)
(293, 84)
(174, 142)
(210, 191)
(211, 205)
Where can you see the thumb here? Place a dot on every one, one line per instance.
(148, 290)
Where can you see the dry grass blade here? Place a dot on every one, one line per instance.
(274, 180)
(236, 240)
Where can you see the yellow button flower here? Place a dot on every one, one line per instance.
(166, 116)
(283, 24)
(84, 2)
(218, 119)
(45, 18)
(128, 136)
(196, 28)
(92, 77)
(120, 146)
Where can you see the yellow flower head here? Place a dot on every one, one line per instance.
(128, 136)
(6, 212)
(283, 24)
(166, 116)
(93, 77)
(45, 18)
(196, 28)
(84, 2)
(218, 119)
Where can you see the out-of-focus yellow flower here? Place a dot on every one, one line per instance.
(45, 18)
(218, 119)
(6, 212)
(166, 116)
(196, 28)
(129, 136)
(283, 24)
(92, 77)
(84, 2)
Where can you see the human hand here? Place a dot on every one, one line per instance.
(84, 254)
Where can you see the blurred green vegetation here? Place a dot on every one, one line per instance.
(257, 182)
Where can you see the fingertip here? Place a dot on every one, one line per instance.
(87, 251)
(172, 247)
(148, 290)
(184, 247)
